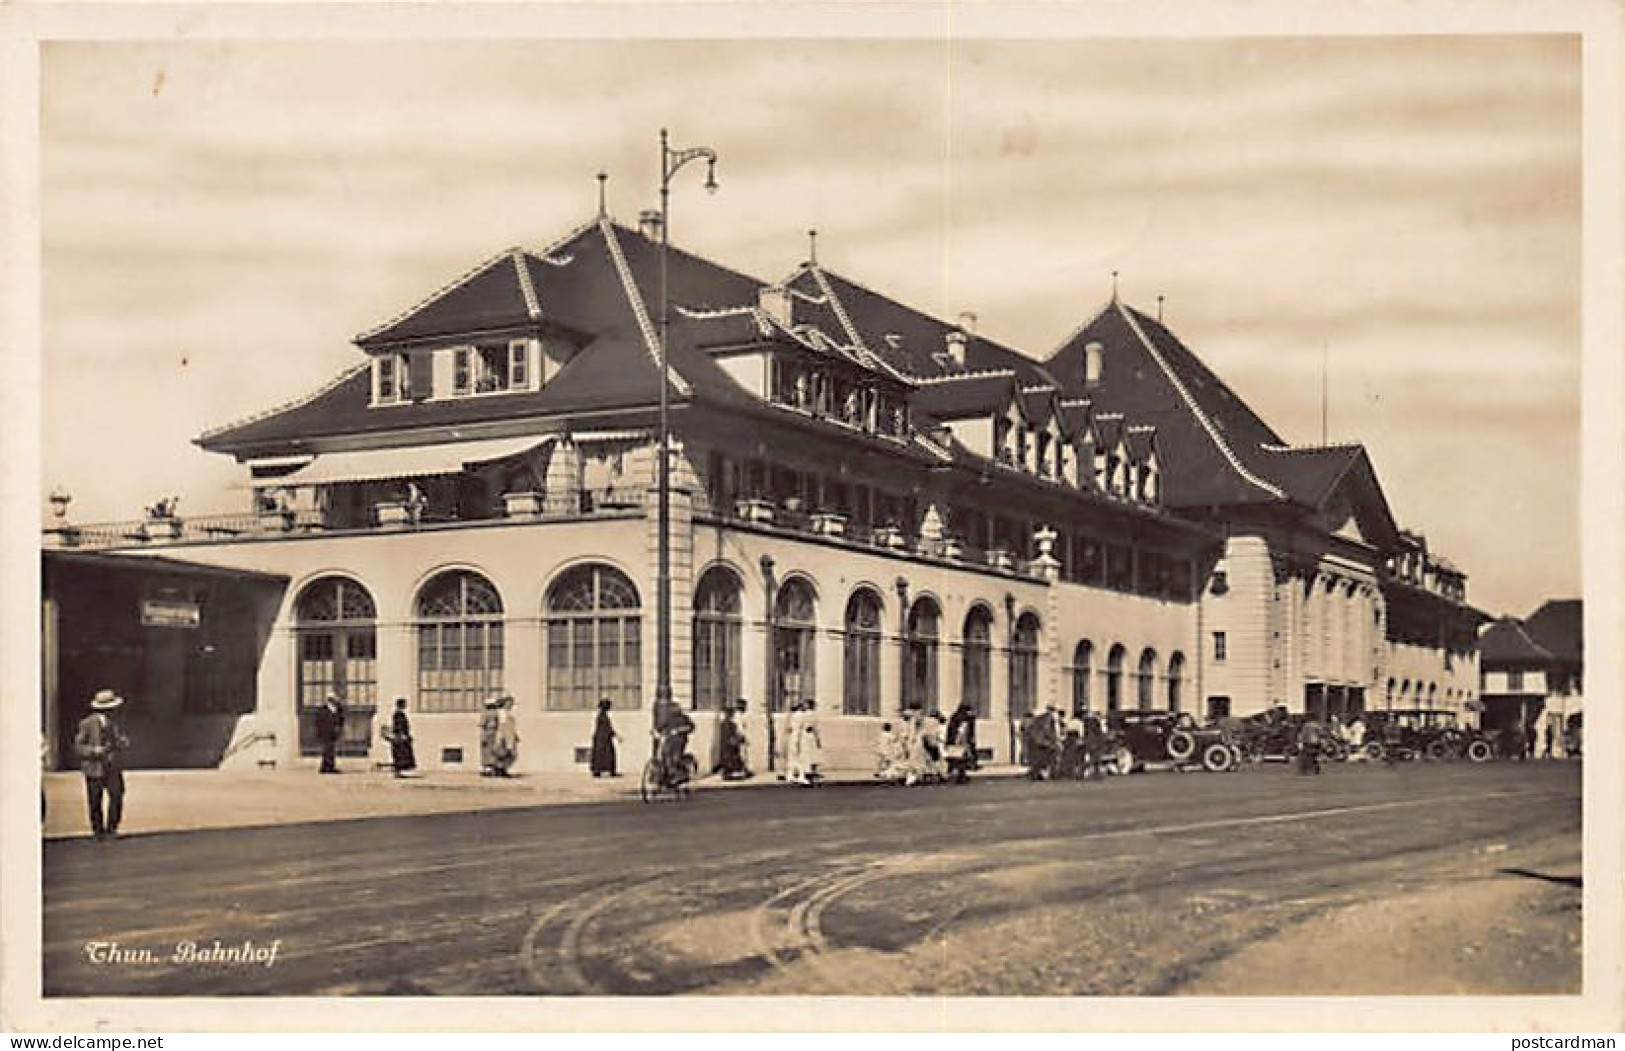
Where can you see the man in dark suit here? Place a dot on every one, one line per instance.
(100, 745)
(329, 729)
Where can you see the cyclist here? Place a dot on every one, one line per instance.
(672, 727)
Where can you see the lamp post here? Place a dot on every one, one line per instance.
(671, 161)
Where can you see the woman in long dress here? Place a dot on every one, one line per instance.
(603, 742)
(400, 740)
(795, 771)
(507, 750)
(490, 719)
(812, 744)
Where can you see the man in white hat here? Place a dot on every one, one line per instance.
(101, 744)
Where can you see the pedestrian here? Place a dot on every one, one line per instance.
(961, 747)
(1096, 743)
(1528, 741)
(329, 731)
(931, 743)
(490, 720)
(507, 742)
(795, 773)
(603, 742)
(672, 728)
(1309, 742)
(910, 752)
(1042, 745)
(1356, 734)
(1070, 763)
(812, 744)
(731, 746)
(100, 745)
(399, 736)
(1550, 735)
(887, 766)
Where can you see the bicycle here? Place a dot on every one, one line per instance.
(662, 777)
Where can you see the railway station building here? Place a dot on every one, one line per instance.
(872, 508)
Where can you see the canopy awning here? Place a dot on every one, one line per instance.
(414, 461)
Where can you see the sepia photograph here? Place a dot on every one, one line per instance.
(942, 514)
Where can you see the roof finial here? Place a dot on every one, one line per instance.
(1159, 308)
(1114, 286)
(603, 210)
(812, 247)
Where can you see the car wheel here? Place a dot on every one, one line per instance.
(1124, 761)
(1479, 751)
(1374, 751)
(1181, 745)
(1436, 750)
(1216, 758)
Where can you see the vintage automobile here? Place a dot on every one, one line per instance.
(1424, 733)
(1274, 735)
(1162, 736)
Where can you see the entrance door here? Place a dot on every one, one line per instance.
(337, 648)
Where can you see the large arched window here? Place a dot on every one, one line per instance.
(459, 629)
(861, 661)
(594, 639)
(795, 632)
(920, 655)
(1114, 678)
(1147, 680)
(1024, 665)
(336, 637)
(1083, 657)
(976, 663)
(718, 628)
(1176, 681)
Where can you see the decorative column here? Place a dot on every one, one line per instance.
(902, 642)
(1049, 662)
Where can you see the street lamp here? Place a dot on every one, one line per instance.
(671, 162)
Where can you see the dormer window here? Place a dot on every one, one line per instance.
(391, 379)
(494, 368)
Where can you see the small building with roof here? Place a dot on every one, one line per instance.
(1533, 671)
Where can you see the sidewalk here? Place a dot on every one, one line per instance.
(189, 800)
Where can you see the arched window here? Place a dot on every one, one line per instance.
(861, 695)
(1147, 679)
(594, 639)
(1024, 665)
(336, 637)
(1083, 656)
(1176, 681)
(920, 656)
(718, 627)
(976, 663)
(1114, 678)
(459, 629)
(795, 630)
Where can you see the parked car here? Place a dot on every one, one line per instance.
(1425, 733)
(1161, 736)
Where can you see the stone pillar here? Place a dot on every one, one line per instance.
(1049, 657)
(681, 553)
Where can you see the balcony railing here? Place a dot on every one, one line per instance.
(383, 517)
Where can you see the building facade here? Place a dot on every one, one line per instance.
(870, 508)
(1533, 672)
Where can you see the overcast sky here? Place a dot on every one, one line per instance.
(220, 220)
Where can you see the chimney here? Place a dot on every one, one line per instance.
(774, 301)
(956, 345)
(967, 322)
(649, 223)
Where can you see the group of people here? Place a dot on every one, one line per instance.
(920, 748)
(1065, 748)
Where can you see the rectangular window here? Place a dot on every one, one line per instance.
(385, 369)
(519, 364)
(462, 371)
(1220, 646)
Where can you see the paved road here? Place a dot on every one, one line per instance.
(1133, 885)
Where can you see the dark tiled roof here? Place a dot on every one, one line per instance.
(1559, 626)
(1074, 415)
(920, 342)
(1109, 428)
(1507, 642)
(958, 398)
(1036, 402)
(1140, 442)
